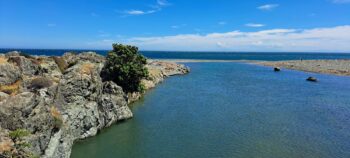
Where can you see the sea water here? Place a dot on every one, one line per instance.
(269, 56)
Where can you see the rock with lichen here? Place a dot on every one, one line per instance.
(76, 103)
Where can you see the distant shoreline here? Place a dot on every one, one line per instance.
(198, 60)
(340, 67)
(333, 66)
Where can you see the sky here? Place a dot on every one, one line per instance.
(178, 25)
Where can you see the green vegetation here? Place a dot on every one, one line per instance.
(18, 134)
(126, 67)
(20, 144)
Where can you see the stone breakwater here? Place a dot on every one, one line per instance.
(335, 67)
(59, 100)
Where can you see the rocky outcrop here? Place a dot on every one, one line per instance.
(76, 105)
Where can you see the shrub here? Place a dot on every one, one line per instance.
(40, 82)
(126, 67)
(61, 63)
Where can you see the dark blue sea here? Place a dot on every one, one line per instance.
(268, 56)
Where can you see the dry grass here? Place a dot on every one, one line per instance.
(12, 89)
(61, 63)
(86, 69)
(3, 60)
(154, 73)
(56, 114)
(6, 146)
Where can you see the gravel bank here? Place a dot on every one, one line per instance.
(336, 67)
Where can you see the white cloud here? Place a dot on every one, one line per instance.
(254, 25)
(341, 1)
(333, 39)
(153, 9)
(163, 3)
(268, 7)
(135, 12)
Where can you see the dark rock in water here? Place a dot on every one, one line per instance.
(277, 69)
(312, 79)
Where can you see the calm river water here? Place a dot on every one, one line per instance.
(233, 110)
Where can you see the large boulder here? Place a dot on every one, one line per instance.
(27, 66)
(87, 104)
(14, 110)
(9, 73)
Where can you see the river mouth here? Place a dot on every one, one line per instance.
(233, 110)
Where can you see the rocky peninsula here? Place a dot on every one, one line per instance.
(47, 103)
(335, 67)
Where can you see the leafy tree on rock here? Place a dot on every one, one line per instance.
(126, 67)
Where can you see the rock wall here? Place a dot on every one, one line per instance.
(65, 106)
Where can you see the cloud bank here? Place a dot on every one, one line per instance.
(332, 39)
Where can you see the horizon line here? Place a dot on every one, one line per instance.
(182, 51)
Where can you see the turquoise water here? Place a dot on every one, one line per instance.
(233, 110)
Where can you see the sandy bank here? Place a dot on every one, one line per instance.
(335, 67)
(196, 60)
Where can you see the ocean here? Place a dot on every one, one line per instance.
(268, 56)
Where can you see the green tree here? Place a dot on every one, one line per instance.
(126, 67)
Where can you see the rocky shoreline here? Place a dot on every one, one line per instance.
(334, 67)
(58, 100)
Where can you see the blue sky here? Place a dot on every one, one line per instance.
(196, 25)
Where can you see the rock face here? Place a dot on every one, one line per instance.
(75, 106)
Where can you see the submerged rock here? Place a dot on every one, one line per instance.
(277, 69)
(312, 79)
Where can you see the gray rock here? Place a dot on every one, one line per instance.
(27, 66)
(3, 96)
(9, 73)
(13, 53)
(76, 106)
